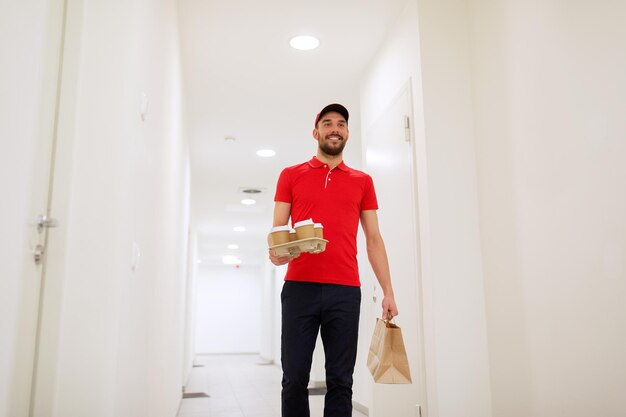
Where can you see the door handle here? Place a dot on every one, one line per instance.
(45, 222)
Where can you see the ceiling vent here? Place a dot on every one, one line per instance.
(251, 190)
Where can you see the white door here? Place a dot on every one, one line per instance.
(30, 40)
(390, 160)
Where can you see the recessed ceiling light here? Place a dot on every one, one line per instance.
(239, 229)
(248, 202)
(265, 153)
(232, 246)
(230, 260)
(304, 42)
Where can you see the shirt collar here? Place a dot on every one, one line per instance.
(316, 163)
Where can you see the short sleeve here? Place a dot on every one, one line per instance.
(369, 201)
(283, 188)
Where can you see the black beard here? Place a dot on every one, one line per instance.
(332, 151)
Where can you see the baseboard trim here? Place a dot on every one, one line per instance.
(360, 408)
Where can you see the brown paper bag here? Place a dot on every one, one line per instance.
(387, 359)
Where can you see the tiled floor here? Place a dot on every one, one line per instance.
(238, 386)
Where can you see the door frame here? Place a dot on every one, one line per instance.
(419, 373)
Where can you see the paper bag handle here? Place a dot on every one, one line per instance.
(390, 325)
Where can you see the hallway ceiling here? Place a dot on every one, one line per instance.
(242, 80)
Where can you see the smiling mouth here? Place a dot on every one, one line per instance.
(334, 138)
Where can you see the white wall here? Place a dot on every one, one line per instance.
(279, 280)
(550, 100)
(268, 306)
(534, 91)
(189, 353)
(229, 308)
(120, 347)
(455, 278)
(429, 45)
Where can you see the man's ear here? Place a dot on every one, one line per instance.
(316, 133)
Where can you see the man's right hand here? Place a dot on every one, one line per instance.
(279, 260)
(282, 211)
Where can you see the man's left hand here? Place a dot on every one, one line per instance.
(390, 310)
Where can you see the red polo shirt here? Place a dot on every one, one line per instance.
(334, 197)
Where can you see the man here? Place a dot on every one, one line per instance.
(322, 291)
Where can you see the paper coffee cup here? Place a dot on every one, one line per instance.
(304, 229)
(279, 235)
(318, 230)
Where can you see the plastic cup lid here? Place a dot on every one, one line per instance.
(280, 229)
(304, 223)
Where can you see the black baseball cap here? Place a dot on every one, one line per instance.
(337, 108)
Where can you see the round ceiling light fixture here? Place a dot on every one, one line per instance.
(232, 246)
(265, 153)
(248, 202)
(304, 42)
(231, 260)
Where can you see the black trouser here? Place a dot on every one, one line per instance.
(307, 307)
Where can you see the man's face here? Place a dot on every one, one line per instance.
(331, 133)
